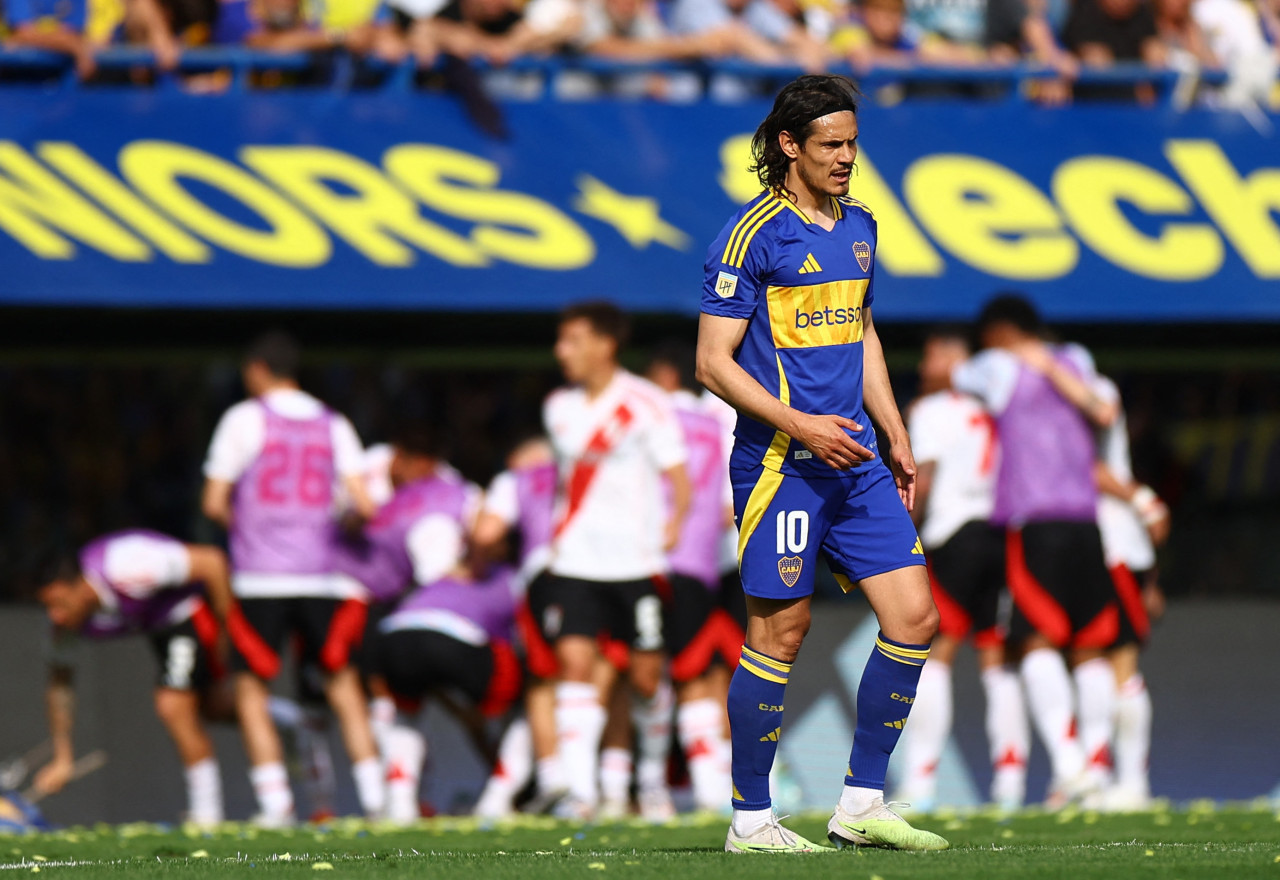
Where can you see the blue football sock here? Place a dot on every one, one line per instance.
(755, 724)
(885, 696)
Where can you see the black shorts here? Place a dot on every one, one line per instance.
(699, 632)
(1060, 585)
(1135, 624)
(327, 633)
(187, 652)
(418, 662)
(967, 577)
(629, 612)
(732, 599)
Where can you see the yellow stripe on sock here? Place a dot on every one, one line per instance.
(757, 657)
(760, 672)
(920, 654)
(897, 659)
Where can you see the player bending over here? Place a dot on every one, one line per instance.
(145, 582)
(786, 337)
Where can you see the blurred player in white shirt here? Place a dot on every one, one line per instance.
(1133, 522)
(956, 456)
(273, 464)
(615, 438)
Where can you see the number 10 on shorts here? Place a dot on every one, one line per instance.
(793, 531)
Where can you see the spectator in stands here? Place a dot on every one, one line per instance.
(142, 22)
(1183, 40)
(632, 30)
(53, 25)
(499, 31)
(1102, 32)
(878, 34)
(282, 26)
(959, 25)
(763, 31)
(1236, 37)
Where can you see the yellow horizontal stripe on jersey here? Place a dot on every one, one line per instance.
(740, 252)
(765, 659)
(812, 315)
(743, 224)
(757, 503)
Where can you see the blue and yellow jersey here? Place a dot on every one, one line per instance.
(802, 289)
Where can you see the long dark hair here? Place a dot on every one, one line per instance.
(799, 103)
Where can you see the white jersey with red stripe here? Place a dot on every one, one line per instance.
(1125, 540)
(611, 452)
(954, 431)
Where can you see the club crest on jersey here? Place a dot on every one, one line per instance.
(789, 568)
(862, 251)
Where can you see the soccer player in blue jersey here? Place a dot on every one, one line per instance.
(786, 337)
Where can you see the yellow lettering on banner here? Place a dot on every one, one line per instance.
(990, 217)
(374, 219)
(292, 239)
(510, 226)
(1089, 190)
(34, 203)
(1242, 207)
(901, 247)
(78, 167)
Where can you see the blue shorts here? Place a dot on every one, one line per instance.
(857, 520)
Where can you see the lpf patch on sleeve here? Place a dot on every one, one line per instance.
(727, 285)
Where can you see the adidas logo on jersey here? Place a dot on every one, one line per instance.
(810, 265)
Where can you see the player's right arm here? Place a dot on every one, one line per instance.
(498, 513)
(236, 442)
(208, 565)
(825, 435)
(60, 706)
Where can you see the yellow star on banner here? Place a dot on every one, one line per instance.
(638, 219)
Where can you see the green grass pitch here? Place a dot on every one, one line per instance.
(1200, 842)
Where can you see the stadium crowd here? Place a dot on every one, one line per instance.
(581, 614)
(1064, 36)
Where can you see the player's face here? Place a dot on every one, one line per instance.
(64, 605)
(581, 351)
(405, 467)
(664, 375)
(824, 162)
(940, 357)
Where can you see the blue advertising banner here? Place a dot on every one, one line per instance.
(311, 199)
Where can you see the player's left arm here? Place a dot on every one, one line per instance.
(877, 395)
(681, 496)
(1076, 390)
(208, 565)
(215, 501)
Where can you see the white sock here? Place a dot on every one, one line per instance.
(580, 720)
(1133, 734)
(1096, 696)
(271, 787)
(1047, 686)
(204, 792)
(746, 822)
(701, 727)
(511, 773)
(550, 775)
(1008, 735)
(926, 735)
(615, 775)
(382, 715)
(858, 800)
(652, 720)
(406, 750)
(371, 786)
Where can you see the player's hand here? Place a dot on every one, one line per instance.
(902, 462)
(670, 535)
(1035, 354)
(1153, 600)
(54, 776)
(827, 437)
